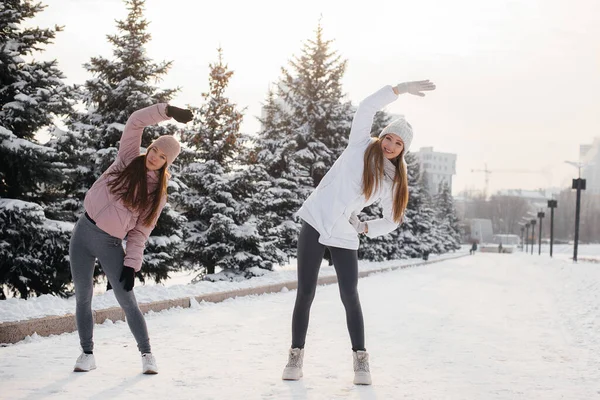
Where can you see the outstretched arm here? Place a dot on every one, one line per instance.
(363, 118)
(131, 139)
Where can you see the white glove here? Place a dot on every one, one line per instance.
(359, 226)
(415, 87)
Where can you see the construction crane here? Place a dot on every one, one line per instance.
(487, 173)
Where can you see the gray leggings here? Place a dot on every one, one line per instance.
(345, 261)
(89, 242)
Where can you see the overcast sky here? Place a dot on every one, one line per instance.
(518, 82)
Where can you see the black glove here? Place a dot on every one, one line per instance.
(179, 114)
(127, 275)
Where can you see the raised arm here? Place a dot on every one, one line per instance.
(363, 118)
(131, 139)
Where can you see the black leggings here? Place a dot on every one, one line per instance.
(345, 261)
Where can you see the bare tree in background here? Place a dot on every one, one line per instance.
(506, 212)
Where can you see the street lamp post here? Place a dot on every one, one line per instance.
(540, 216)
(532, 222)
(552, 204)
(526, 237)
(578, 184)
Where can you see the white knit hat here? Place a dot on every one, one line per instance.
(401, 128)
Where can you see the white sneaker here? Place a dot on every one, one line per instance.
(149, 364)
(362, 373)
(85, 363)
(293, 369)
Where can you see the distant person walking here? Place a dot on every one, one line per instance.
(473, 248)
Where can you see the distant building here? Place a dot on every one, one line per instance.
(436, 167)
(590, 154)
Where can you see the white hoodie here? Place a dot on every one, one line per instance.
(339, 193)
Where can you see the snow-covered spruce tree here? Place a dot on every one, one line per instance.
(33, 249)
(75, 153)
(218, 202)
(432, 239)
(257, 192)
(222, 232)
(304, 130)
(279, 179)
(119, 87)
(32, 94)
(446, 215)
(413, 236)
(311, 91)
(217, 130)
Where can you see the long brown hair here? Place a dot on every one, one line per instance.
(373, 174)
(130, 186)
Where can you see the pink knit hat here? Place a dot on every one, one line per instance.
(168, 145)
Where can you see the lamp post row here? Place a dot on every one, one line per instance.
(578, 184)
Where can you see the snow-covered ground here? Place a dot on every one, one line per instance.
(179, 286)
(565, 251)
(490, 326)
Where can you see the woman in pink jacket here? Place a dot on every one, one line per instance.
(125, 201)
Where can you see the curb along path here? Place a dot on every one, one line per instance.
(13, 332)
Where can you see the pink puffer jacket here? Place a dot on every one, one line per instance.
(109, 213)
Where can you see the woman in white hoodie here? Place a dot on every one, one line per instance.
(369, 169)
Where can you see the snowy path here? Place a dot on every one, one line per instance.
(483, 327)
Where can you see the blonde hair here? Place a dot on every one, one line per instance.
(373, 173)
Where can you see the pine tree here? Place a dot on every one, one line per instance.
(219, 201)
(446, 215)
(32, 94)
(432, 238)
(118, 88)
(414, 235)
(218, 134)
(75, 153)
(280, 179)
(304, 130)
(267, 198)
(313, 98)
(33, 249)
(222, 232)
